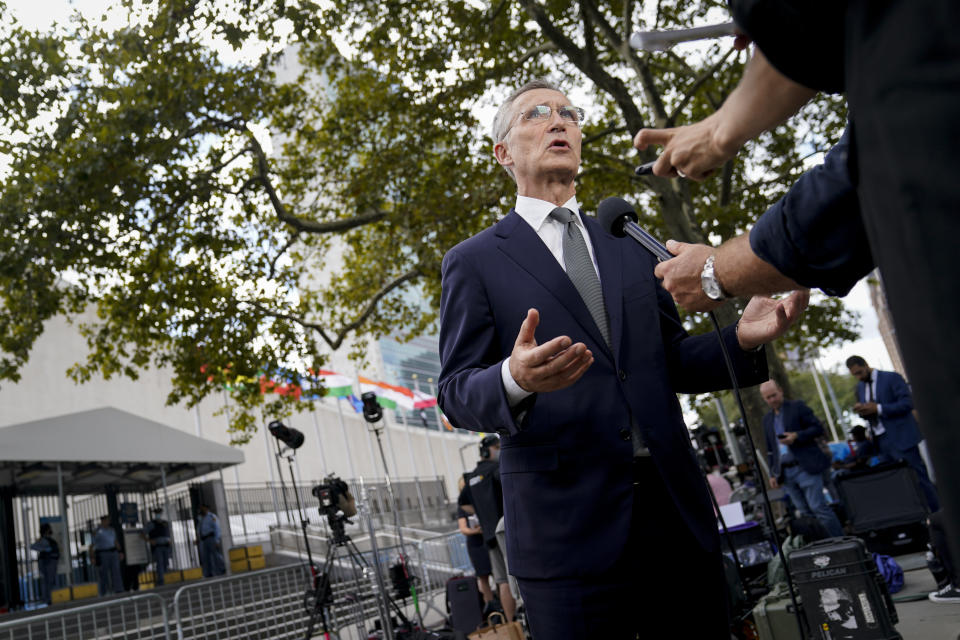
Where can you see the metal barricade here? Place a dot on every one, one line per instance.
(265, 604)
(141, 617)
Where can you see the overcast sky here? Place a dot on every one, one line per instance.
(38, 15)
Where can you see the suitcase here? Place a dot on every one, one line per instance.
(464, 603)
(774, 616)
(844, 596)
(882, 497)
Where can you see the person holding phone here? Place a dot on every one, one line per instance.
(795, 459)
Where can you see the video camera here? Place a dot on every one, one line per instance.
(334, 495)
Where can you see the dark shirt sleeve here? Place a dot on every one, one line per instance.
(802, 39)
(814, 234)
(465, 497)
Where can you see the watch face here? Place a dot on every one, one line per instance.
(711, 288)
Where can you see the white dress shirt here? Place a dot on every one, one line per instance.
(536, 213)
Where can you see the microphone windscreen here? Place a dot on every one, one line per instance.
(613, 213)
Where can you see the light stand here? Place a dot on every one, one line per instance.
(373, 413)
(293, 439)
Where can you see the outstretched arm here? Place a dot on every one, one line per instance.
(763, 99)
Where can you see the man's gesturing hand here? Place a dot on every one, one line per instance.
(766, 319)
(550, 366)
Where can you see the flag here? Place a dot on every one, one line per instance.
(423, 400)
(336, 385)
(446, 422)
(388, 395)
(355, 402)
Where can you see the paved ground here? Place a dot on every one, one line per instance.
(925, 620)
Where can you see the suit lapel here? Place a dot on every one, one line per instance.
(522, 245)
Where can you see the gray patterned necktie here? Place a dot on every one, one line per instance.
(581, 271)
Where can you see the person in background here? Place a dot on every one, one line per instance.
(211, 559)
(469, 526)
(158, 535)
(719, 485)
(107, 556)
(796, 460)
(48, 555)
(484, 493)
(885, 402)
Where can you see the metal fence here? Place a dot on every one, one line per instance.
(265, 604)
(141, 617)
(268, 604)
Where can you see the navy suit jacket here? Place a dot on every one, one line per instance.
(799, 418)
(566, 468)
(896, 403)
(814, 234)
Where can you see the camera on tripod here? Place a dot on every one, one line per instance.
(334, 495)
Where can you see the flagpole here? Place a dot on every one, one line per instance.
(316, 429)
(346, 441)
(443, 445)
(426, 434)
(413, 461)
(406, 431)
(393, 449)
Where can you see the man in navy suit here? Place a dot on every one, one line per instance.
(794, 457)
(884, 401)
(558, 336)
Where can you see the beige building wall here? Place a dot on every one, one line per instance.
(336, 441)
(885, 322)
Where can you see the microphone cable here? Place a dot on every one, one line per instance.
(618, 217)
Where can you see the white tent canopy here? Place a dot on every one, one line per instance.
(102, 447)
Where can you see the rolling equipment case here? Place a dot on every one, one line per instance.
(844, 596)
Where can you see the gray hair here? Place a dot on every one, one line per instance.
(502, 121)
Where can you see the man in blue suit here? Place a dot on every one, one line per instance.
(794, 457)
(884, 401)
(558, 336)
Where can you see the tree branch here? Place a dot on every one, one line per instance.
(693, 88)
(622, 47)
(263, 176)
(602, 134)
(346, 329)
(612, 85)
(543, 48)
(784, 174)
(289, 243)
(309, 226)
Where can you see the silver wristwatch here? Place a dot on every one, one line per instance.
(709, 283)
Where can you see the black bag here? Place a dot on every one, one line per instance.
(464, 603)
(880, 497)
(844, 596)
(886, 507)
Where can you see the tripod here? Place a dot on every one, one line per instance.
(319, 600)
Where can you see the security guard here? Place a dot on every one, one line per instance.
(158, 535)
(48, 555)
(484, 493)
(107, 558)
(210, 557)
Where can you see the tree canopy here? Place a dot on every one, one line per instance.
(239, 187)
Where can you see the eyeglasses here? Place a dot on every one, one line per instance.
(542, 112)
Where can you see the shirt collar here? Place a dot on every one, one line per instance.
(536, 211)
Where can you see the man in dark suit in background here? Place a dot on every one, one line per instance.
(794, 456)
(884, 401)
(558, 336)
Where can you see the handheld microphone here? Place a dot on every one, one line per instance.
(618, 217)
(663, 40)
